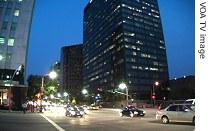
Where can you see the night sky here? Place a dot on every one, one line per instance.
(58, 23)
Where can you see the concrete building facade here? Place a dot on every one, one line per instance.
(15, 25)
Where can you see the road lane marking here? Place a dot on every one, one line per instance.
(53, 123)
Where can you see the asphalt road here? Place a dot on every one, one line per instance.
(17, 121)
(100, 120)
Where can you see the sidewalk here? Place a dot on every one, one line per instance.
(13, 111)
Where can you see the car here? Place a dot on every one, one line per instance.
(132, 111)
(190, 102)
(74, 111)
(176, 113)
(164, 104)
(83, 108)
(93, 107)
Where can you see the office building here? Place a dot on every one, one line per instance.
(15, 25)
(123, 42)
(182, 88)
(71, 71)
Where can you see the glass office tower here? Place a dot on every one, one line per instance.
(123, 42)
(15, 24)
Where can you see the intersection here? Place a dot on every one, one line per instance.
(97, 120)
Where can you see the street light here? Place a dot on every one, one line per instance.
(153, 92)
(52, 75)
(17, 71)
(84, 92)
(65, 94)
(59, 95)
(123, 86)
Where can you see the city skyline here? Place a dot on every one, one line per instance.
(64, 23)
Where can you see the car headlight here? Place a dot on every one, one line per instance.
(135, 112)
(144, 112)
(81, 112)
(73, 112)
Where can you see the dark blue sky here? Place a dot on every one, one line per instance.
(59, 23)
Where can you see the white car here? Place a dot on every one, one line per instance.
(190, 101)
(177, 113)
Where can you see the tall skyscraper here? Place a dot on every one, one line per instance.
(71, 70)
(15, 24)
(124, 42)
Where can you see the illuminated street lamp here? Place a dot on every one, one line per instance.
(153, 92)
(59, 95)
(52, 96)
(17, 71)
(123, 86)
(84, 92)
(52, 74)
(66, 95)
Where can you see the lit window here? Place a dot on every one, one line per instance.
(17, 12)
(1, 57)
(134, 67)
(2, 40)
(134, 53)
(11, 42)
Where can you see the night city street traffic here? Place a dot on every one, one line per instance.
(96, 120)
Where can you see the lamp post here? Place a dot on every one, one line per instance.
(66, 95)
(84, 92)
(123, 86)
(52, 75)
(153, 92)
(10, 85)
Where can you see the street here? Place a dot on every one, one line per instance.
(97, 120)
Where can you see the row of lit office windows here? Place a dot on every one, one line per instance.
(92, 30)
(139, 20)
(133, 52)
(145, 15)
(128, 52)
(10, 41)
(11, 0)
(100, 15)
(9, 11)
(137, 11)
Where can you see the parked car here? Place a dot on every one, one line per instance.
(176, 112)
(74, 111)
(132, 111)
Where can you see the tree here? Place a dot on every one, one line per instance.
(34, 83)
